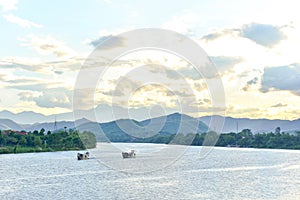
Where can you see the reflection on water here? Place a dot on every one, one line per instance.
(225, 173)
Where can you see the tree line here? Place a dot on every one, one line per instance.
(245, 138)
(42, 141)
(38, 141)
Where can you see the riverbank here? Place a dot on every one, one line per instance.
(38, 141)
(74, 140)
(243, 139)
(12, 150)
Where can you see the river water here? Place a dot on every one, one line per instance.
(182, 173)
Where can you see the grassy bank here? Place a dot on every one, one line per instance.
(39, 141)
(12, 150)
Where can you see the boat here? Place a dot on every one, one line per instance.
(130, 154)
(83, 156)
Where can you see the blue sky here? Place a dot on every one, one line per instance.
(254, 45)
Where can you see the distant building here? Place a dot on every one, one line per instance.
(21, 132)
(6, 132)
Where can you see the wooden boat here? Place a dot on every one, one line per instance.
(130, 154)
(83, 156)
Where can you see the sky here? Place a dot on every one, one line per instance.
(254, 45)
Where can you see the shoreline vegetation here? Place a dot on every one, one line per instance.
(63, 140)
(40, 141)
(243, 139)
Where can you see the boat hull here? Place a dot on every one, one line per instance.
(130, 154)
(83, 156)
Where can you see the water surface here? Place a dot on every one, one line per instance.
(225, 173)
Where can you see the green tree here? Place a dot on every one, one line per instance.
(277, 131)
(3, 139)
(42, 132)
(22, 141)
(37, 141)
(35, 132)
(211, 138)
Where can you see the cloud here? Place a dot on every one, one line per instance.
(240, 111)
(2, 77)
(279, 105)
(61, 66)
(21, 81)
(179, 72)
(171, 75)
(224, 63)
(21, 22)
(112, 37)
(151, 84)
(231, 48)
(58, 72)
(14, 63)
(282, 78)
(99, 40)
(212, 36)
(50, 98)
(217, 34)
(108, 42)
(123, 86)
(47, 46)
(33, 84)
(37, 66)
(266, 35)
(263, 34)
(249, 84)
(25, 96)
(8, 4)
(189, 72)
(199, 86)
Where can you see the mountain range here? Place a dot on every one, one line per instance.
(168, 124)
(255, 125)
(103, 113)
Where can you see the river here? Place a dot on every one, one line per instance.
(181, 173)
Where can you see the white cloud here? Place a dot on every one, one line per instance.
(8, 4)
(102, 36)
(282, 78)
(263, 34)
(253, 86)
(21, 22)
(280, 50)
(50, 98)
(48, 45)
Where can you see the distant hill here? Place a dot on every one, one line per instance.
(51, 125)
(33, 117)
(256, 125)
(23, 117)
(6, 124)
(123, 129)
(168, 124)
(103, 113)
